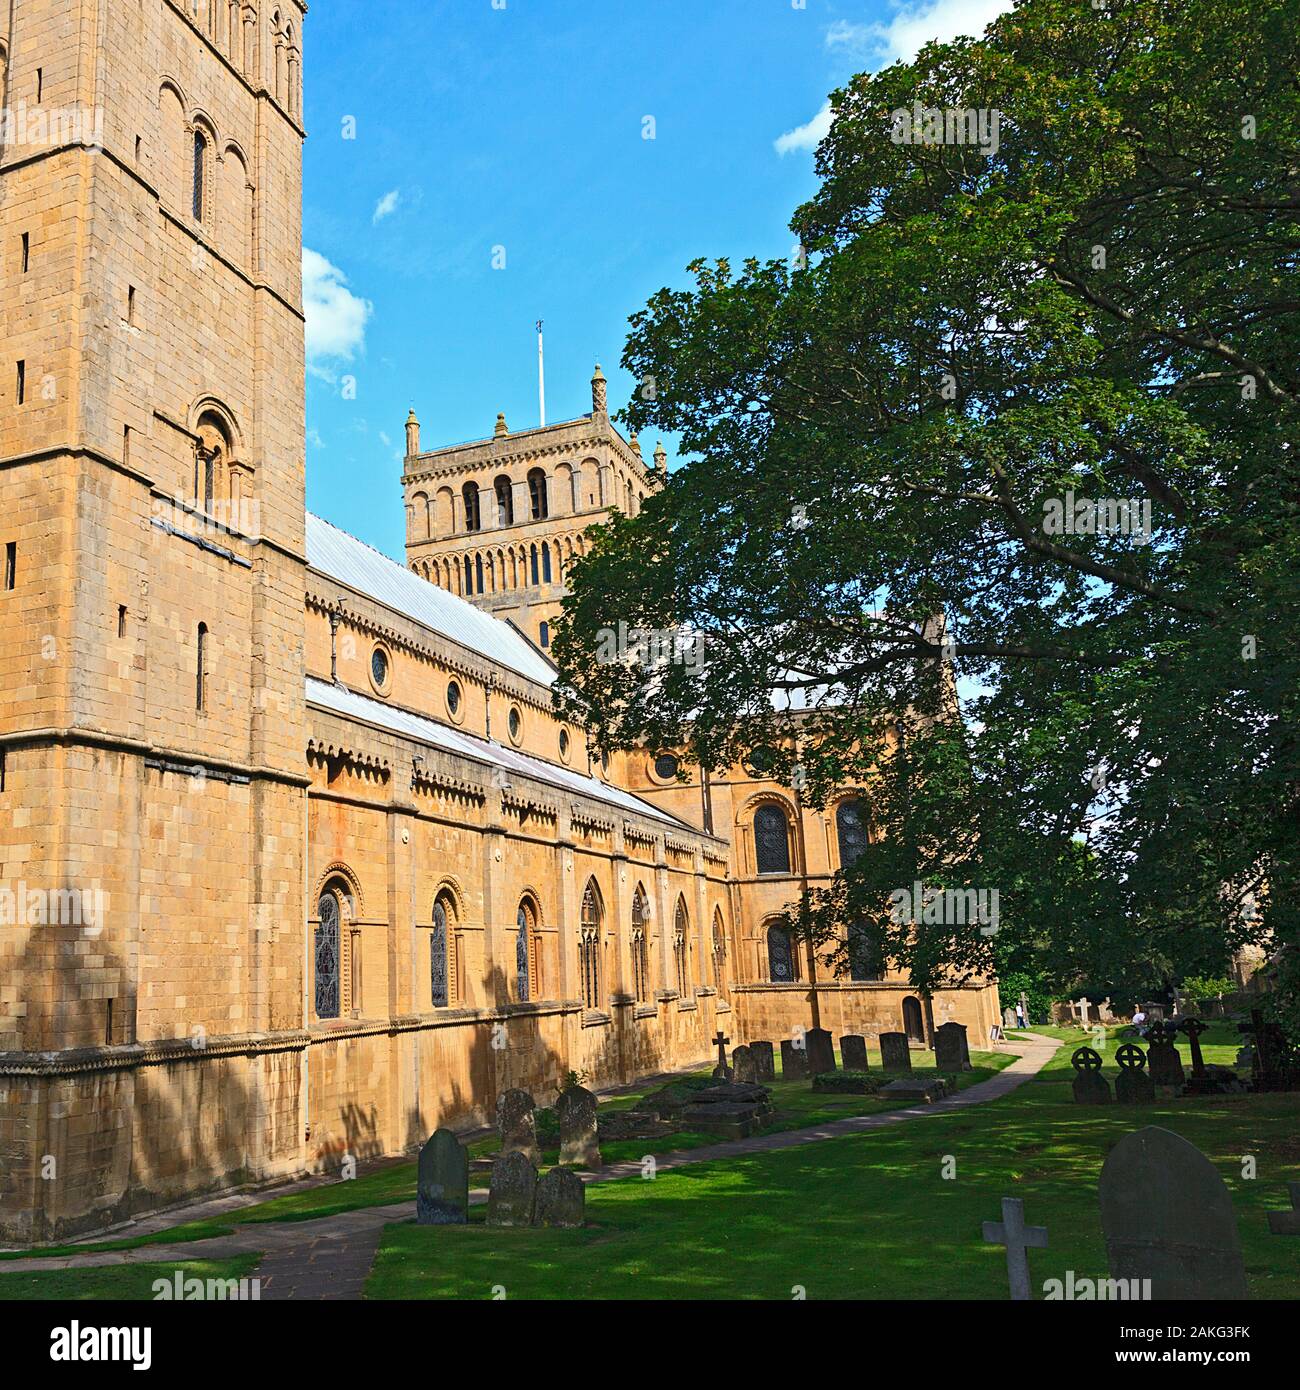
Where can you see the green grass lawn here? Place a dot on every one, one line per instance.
(133, 1283)
(871, 1216)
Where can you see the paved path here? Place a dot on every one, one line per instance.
(330, 1258)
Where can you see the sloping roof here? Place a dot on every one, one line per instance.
(350, 705)
(352, 562)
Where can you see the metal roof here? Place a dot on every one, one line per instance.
(352, 562)
(350, 705)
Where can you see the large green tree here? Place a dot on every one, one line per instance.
(1097, 301)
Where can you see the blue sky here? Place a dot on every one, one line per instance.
(490, 131)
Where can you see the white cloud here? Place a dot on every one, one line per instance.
(806, 137)
(386, 206)
(916, 22)
(854, 37)
(336, 318)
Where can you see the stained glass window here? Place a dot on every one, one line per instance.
(327, 958)
(681, 931)
(438, 991)
(771, 840)
(522, 981)
(640, 947)
(865, 960)
(851, 830)
(781, 965)
(589, 947)
(719, 954)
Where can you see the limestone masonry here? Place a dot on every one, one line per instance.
(308, 866)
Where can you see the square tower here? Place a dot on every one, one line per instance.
(151, 615)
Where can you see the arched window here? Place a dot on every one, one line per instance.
(719, 955)
(851, 831)
(532, 562)
(469, 494)
(200, 170)
(439, 975)
(546, 563)
(327, 954)
(544, 635)
(640, 946)
(866, 961)
(505, 492)
(469, 575)
(771, 840)
(201, 670)
(538, 502)
(589, 946)
(681, 949)
(528, 984)
(478, 573)
(782, 962)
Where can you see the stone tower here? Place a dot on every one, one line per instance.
(151, 614)
(498, 521)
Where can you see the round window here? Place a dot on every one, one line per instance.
(667, 766)
(453, 697)
(516, 725)
(564, 744)
(760, 761)
(379, 668)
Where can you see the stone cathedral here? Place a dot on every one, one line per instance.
(296, 861)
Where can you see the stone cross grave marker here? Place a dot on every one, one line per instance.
(895, 1054)
(1090, 1086)
(442, 1186)
(1287, 1223)
(722, 1071)
(1019, 1239)
(764, 1061)
(517, 1125)
(1082, 1006)
(1133, 1086)
(1193, 1028)
(512, 1193)
(1167, 1217)
(576, 1111)
(853, 1052)
(1162, 1056)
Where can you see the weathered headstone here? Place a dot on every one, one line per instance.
(1009, 1018)
(1287, 1223)
(576, 1112)
(951, 1051)
(512, 1191)
(1133, 1086)
(1162, 1056)
(442, 1183)
(561, 1199)
(922, 1088)
(1081, 1006)
(1167, 1217)
(730, 1110)
(821, 1051)
(1019, 1239)
(517, 1125)
(1090, 1086)
(895, 1054)
(764, 1061)
(743, 1070)
(794, 1061)
(853, 1052)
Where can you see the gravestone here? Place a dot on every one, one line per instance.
(1133, 1086)
(820, 1051)
(794, 1061)
(1081, 1007)
(1287, 1223)
(1162, 1056)
(764, 1061)
(576, 1112)
(442, 1185)
(730, 1110)
(1167, 1217)
(1019, 1239)
(923, 1088)
(895, 1054)
(512, 1192)
(1009, 1018)
(951, 1051)
(853, 1052)
(743, 1069)
(561, 1199)
(1200, 1082)
(722, 1072)
(1090, 1086)
(517, 1125)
